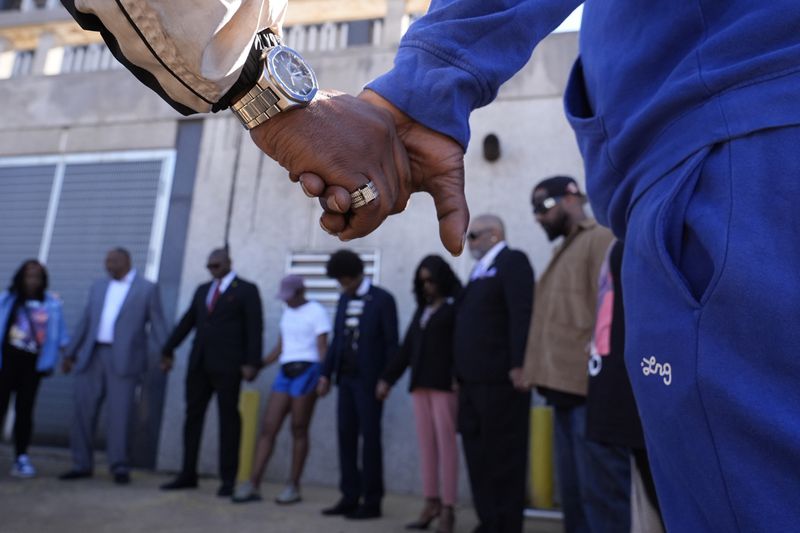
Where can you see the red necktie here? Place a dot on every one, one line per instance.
(214, 297)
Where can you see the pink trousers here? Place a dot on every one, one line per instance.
(435, 414)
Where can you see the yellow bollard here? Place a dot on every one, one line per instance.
(248, 408)
(541, 457)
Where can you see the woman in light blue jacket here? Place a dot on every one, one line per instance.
(32, 331)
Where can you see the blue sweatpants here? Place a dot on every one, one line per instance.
(711, 278)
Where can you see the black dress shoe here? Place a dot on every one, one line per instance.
(75, 474)
(343, 507)
(364, 512)
(180, 482)
(225, 490)
(122, 478)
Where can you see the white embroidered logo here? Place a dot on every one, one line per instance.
(651, 367)
(595, 365)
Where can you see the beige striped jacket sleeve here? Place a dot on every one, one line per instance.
(191, 52)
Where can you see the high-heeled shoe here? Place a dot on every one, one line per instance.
(433, 506)
(447, 520)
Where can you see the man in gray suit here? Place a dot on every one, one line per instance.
(109, 352)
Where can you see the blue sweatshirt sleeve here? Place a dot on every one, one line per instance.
(455, 58)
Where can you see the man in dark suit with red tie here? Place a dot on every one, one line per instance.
(491, 329)
(227, 318)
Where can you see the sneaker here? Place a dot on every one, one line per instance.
(290, 494)
(246, 493)
(23, 468)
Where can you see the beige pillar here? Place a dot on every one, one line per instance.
(46, 42)
(393, 24)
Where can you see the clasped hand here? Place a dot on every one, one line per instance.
(339, 143)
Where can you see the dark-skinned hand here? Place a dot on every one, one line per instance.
(167, 361)
(249, 372)
(346, 142)
(382, 390)
(436, 164)
(323, 386)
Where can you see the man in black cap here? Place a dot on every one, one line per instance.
(594, 479)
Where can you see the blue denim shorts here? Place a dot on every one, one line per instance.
(301, 385)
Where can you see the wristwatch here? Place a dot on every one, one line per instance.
(286, 82)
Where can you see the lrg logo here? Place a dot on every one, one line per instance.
(652, 367)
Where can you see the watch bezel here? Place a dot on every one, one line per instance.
(269, 69)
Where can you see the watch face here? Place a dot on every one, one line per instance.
(295, 77)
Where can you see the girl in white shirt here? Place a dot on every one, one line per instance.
(301, 347)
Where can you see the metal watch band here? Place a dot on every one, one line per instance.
(257, 106)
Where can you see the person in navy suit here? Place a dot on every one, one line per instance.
(364, 338)
(491, 331)
(227, 318)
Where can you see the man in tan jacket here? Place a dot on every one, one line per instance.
(594, 481)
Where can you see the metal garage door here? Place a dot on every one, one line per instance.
(24, 196)
(69, 213)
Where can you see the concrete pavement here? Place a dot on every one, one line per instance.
(45, 504)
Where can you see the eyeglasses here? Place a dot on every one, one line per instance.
(472, 235)
(540, 207)
(214, 266)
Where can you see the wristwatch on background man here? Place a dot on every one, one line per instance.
(285, 82)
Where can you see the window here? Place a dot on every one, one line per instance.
(23, 63)
(10, 5)
(359, 32)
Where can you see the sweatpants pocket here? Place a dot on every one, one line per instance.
(692, 224)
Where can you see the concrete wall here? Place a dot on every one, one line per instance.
(101, 111)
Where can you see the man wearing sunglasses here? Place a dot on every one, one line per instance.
(491, 328)
(594, 478)
(227, 318)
